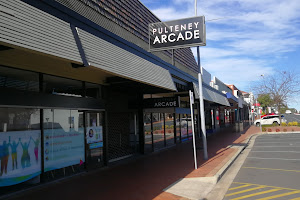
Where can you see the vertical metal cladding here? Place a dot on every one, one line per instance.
(132, 16)
(28, 27)
(118, 61)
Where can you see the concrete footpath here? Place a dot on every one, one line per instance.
(164, 175)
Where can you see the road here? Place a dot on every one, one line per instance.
(270, 171)
(292, 118)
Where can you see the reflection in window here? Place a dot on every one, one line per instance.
(63, 139)
(20, 145)
(184, 127)
(178, 127)
(169, 129)
(158, 131)
(94, 137)
(93, 90)
(62, 86)
(190, 130)
(19, 79)
(148, 135)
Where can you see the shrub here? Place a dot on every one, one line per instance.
(284, 130)
(172, 126)
(295, 123)
(269, 130)
(283, 124)
(290, 124)
(167, 126)
(277, 130)
(264, 129)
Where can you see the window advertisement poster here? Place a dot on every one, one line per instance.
(62, 149)
(94, 137)
(20, 154)
(94, 134)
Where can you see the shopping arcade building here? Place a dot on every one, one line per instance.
(74, 92)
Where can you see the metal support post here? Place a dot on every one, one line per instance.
(193, 129)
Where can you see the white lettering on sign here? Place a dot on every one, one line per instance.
(175, 28)
(172, 37)
(166, 104)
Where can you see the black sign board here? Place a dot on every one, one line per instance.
(166, 102)
(177, 34)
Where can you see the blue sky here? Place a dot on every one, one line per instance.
(245, 38)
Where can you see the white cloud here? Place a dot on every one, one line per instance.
(248, 38)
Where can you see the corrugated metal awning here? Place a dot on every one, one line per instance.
(116, 60)
(25, 26)
(230, 96)
(211, 94)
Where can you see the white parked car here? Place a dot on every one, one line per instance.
(288, 112)
(269, 119)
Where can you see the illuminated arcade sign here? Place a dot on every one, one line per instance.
(175, 34)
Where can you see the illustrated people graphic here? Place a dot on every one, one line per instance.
(4, 157)
(36, 148)
(14, 155)
(25, 159)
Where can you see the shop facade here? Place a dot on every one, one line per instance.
(75, 86)
(76, 77)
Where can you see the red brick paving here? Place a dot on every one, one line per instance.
(146, 177)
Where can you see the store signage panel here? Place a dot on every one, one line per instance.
(20, 153)
(166, 102)
(181, 33)
(62, 149)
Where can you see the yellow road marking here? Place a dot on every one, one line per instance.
(243, 191)
(273, 169)
(267, 186)
(280, 195)
(255, 194)
(298, 198)
(239, 187)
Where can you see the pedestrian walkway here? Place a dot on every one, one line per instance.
(151, 176)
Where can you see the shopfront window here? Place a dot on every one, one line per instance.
(190, 130)
(63, 141)
(93, 90)
(62, 86)
(19, 79)
(148, 132)
(20, 145)
(158, 131)
(94, 138)
(178, 127)
(184, 127)
(169, 128)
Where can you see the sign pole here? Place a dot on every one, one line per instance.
(193, 130)
(201, 103)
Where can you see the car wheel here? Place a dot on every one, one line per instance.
(275, 123)
(257, 124)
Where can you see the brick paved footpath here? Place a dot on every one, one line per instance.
(146, 177)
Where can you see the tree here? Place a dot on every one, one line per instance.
(265, 101)
(281, 87)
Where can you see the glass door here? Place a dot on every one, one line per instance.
(94, 139)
